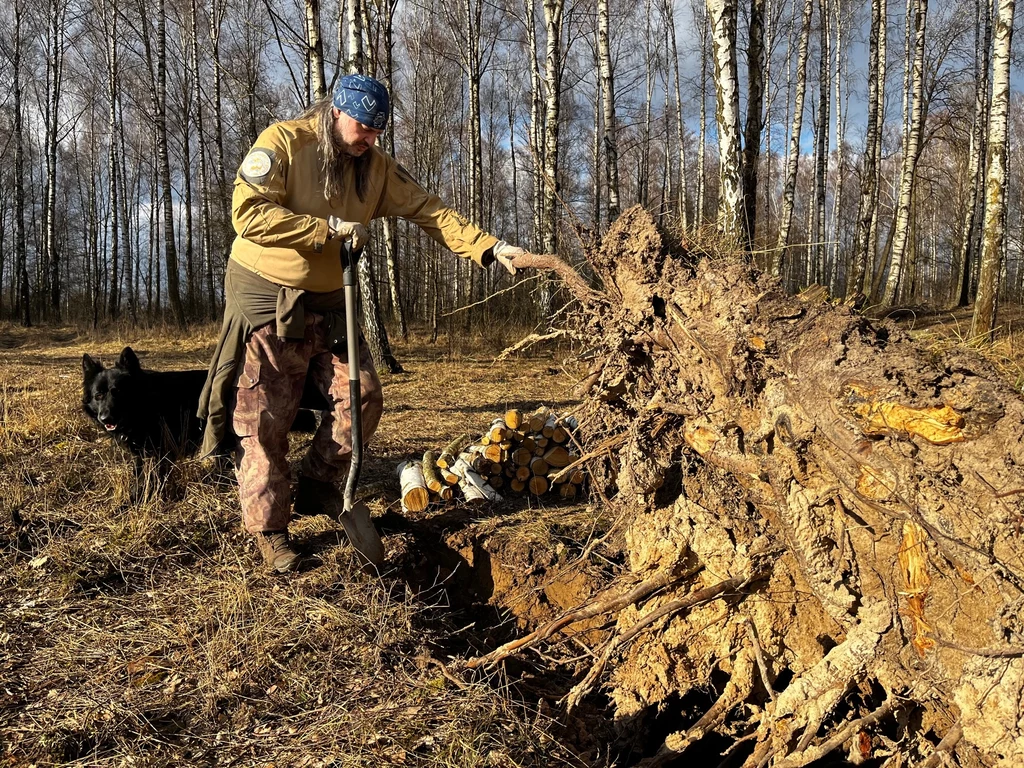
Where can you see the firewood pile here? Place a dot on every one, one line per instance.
(518, 455)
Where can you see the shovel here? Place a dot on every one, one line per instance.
(355, 516)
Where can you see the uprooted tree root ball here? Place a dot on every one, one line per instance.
(821, 521)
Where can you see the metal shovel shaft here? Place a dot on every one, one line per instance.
(350, 259)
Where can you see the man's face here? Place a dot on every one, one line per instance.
(353, 137)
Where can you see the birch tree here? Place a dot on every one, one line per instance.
(607, 88)
(816, 235)
(974, 197)
(22, 303)
(911, 150)
(315, 49)
(793, 159)
(685, 214)
(995, 185)
(373, 325)
(868, 202)
(553, 10)
(723, 15)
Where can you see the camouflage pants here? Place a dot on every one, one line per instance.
(266, 401)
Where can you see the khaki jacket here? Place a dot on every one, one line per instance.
(280, 214)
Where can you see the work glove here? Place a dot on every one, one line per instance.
(505, 254)
(348, 230)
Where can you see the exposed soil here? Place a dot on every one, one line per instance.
(833, 505)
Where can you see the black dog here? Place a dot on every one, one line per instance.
(152, 413)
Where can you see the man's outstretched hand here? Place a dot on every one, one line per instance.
(506, 255)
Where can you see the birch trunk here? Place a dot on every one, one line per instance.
(226, 233)
(723, 14)
(536, 127)
(816, 249)
(22, 304)
(995, 185)
(700, 8)
(841, 111)
(793, 160)
(55, 78)
(205, 242)
(597, 149)
(911, 149)
(159, 105)
(356, 62)
(974, 199)
(390, 225)
(610, 143)
(315, 49)
(553, 86)
(685, 212)
(110, 22)
(872, 246)
(869, 173)
(644, 168)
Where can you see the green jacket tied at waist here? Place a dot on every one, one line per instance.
(250, 302)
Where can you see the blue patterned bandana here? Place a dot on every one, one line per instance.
(364, 99)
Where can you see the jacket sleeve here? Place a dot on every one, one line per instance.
(258, 206)
(404, 197)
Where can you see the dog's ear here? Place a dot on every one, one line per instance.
(90, 367)
(128, 361)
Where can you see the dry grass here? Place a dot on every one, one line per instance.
(144, 632)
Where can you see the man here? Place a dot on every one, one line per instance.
(306, 186)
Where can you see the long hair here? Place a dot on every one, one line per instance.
(332, 159)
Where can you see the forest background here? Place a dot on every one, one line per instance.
(871, 147)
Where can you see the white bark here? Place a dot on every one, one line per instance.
(911, 151)
(793, 160)
(723, 15)
(974, 199)
(995, 184)
(867, 206)
(315, 49)
(610, 143)
(552, 89)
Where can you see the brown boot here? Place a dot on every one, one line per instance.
(277, 551)
(317, 497)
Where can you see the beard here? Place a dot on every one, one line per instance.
(343, 147)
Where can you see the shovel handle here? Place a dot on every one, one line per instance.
(350, 258)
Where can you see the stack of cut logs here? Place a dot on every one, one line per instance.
(518, 454)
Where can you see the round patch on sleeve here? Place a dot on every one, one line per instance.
(256, 164)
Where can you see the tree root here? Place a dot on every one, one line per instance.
(736, 692)
(875, 486)
(604, 603)
(611, 646)
(810, 754)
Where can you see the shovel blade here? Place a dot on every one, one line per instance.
(363, 536)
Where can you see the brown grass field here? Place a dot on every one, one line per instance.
(147, 633)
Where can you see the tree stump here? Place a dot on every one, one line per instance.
(836, 512)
